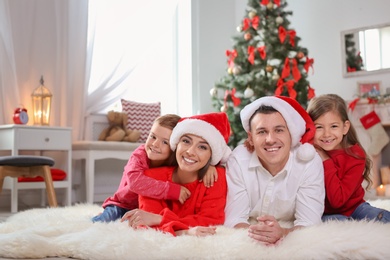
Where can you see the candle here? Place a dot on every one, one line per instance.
(380, 191)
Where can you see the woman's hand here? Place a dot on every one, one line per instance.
(137, 218)
(197, 231)
(210, 176)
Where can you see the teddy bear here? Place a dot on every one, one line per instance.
(117, 131)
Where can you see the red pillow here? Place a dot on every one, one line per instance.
(57, 175)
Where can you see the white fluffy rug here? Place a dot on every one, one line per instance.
(68, 232)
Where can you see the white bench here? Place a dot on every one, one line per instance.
(92, 150)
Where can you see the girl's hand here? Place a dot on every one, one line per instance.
(210, 177)
(138, 218)
(322, 153)
(184, 194)
(197, 231)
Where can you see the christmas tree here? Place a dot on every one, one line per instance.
(354, 60)
(266, 59)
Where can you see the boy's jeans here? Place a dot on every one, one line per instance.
(110, 213)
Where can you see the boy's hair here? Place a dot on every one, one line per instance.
(169, 121)
(334, 103)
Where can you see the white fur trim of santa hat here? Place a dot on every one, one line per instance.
(213, 127)
(299, 123)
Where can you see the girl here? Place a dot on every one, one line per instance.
(346, 164)
(154, 153)
(199, 141)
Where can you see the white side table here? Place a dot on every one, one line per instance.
(32, 139)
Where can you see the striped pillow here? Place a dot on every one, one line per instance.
(140, 116)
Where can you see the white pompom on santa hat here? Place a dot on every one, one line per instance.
(213, 127)
(299, 123)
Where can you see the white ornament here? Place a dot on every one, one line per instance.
(279, 20)
(248, 93)
(275, 77)
(236, 70)
(224, 108)
(213, 92)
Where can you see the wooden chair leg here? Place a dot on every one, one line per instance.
(51, 195)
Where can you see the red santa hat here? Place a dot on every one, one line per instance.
(213, 127)
(299, 123)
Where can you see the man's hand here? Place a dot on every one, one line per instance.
(267, 230)
(138, 218)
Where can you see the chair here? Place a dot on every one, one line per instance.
(27, 166)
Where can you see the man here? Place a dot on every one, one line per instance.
(277, 174)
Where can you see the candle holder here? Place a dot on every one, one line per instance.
(41, 102)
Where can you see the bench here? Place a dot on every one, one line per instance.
(92, 150)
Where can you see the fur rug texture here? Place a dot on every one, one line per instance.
(68, 232)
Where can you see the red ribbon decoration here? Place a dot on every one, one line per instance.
(254, 22)
(308, 64)
(353, 103)
(236, 100)
(372, 100)
(283, 34)
(290, 88)
(265, 2)
(231, 55)
(295, 71)
(251, 53)
(310, 93)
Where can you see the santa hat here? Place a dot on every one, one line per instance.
(213, 127)
(299, 123)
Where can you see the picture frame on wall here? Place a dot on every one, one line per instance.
(369, 89)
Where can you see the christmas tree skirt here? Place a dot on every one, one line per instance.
(68, 232)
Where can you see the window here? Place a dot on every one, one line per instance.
(373, 44)
(134, 50)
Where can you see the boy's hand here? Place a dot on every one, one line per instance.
(184, 194)
(210, 177)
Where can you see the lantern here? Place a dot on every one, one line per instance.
(41, 101)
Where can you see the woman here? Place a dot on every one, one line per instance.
(198, 141)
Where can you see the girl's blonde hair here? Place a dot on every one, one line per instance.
(334, 103)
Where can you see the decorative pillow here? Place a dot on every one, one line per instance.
(140, 116)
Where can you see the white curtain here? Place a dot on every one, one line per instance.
(9, 92)
(49, 38)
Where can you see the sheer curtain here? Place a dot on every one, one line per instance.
(132, 53)
(8, 91)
